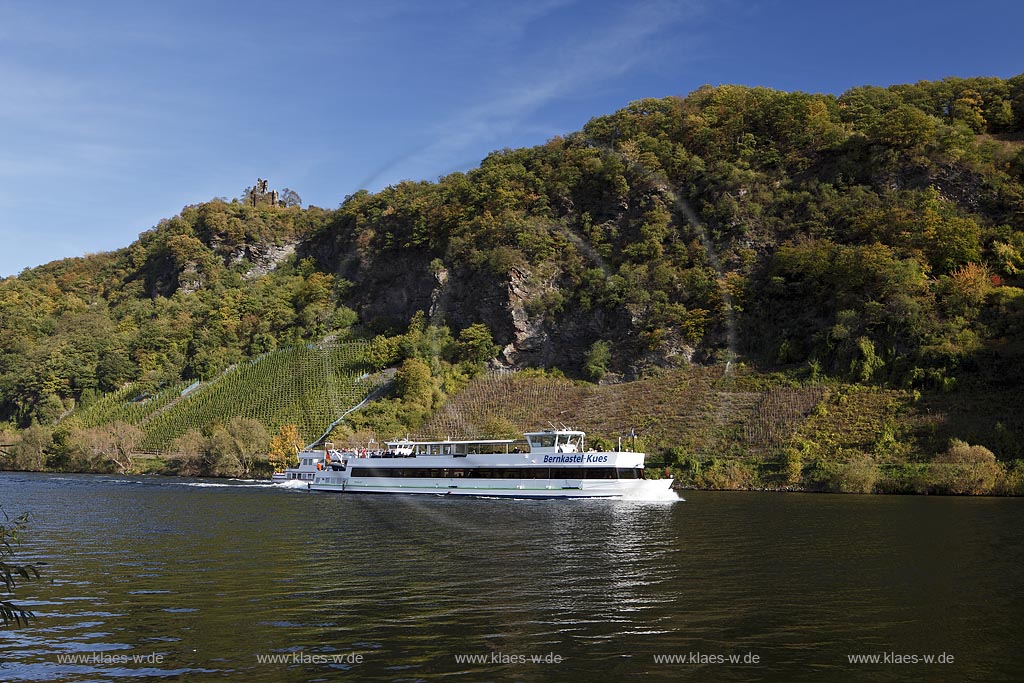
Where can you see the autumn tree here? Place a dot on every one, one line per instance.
(114, 443)
(239, 446)
(190, 452)
(967, 469)
(284, 447)
(968, 286)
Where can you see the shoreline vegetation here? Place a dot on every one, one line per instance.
(708, 429)
(962, 480)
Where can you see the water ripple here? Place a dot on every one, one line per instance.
(215, 577)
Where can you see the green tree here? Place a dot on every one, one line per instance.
(289, 197)
(904, 127)
(968, 108)
(791, 466)
(29, 450)
(866, 362)
(382, 352)
(476, 345)
(414, 382)
(113, 369)
(596, 360)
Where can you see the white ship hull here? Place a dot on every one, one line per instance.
(553, 466)
(528, 488)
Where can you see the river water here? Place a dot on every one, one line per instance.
(155, 578)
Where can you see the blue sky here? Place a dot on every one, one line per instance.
(114, 115)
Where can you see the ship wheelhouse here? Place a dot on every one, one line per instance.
(555, 441)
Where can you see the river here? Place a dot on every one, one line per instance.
(157, 578)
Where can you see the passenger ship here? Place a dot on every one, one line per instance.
(554, 464)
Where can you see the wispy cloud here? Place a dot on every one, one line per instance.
(561, 71)
(163, 105)
(74, 27)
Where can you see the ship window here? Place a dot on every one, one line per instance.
(494, 472)
(567, 472)
(542, 441)
(569, 444)
(371, 472)
(626, 472)
(599, 473)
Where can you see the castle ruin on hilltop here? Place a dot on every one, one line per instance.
(259, 194)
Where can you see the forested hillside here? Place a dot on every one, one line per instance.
(874, 238)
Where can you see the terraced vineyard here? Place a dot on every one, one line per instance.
(699, 409)
(130, 403)
(306, 386)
